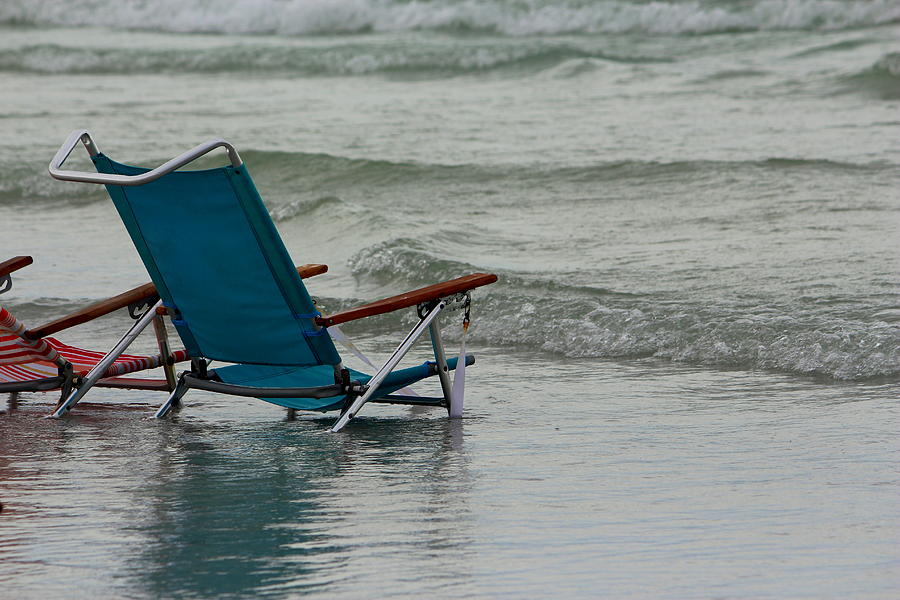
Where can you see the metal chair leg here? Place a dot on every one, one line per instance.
(174, 398)
(99, 369)
(384, 371)
(437, 344)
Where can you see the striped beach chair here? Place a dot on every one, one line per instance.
(31, 361)
(228, 285)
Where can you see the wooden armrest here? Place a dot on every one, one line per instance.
(307, 271)
(146, 291)
(431, 292)
(14, 264)
(98, 309)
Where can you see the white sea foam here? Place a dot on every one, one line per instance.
(585, 324)
(526, 17)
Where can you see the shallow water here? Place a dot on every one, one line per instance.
(662, 481)
(687, 376)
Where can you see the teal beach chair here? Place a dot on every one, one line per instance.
(226, 281)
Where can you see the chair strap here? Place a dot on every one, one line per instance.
(458, 391)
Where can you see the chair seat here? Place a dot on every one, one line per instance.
(267, 376)
(30, 368)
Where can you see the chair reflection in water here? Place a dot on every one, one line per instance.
(227, 283)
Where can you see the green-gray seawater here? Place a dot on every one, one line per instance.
(687, 377)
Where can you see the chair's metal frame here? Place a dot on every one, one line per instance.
(84, 136)
(94, 375)
(356, 394)
(425, 322)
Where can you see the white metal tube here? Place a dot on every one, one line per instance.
(437, 343)
(99, 369)
(84, 136)
(383, 372)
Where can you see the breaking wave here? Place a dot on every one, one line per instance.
(434, 59)
(533, 312)
(839, 338)
(29, 183)
(277, 172)
(881, 80)
(324, 170)
(517, 18)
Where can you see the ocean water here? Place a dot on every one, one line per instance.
(687, 376)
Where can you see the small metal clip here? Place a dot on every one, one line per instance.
(467, 307)
(144, 304)
(423, 308)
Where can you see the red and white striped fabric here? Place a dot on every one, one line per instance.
(27, 371)
(26, 360)
(84, 360)
(15, 350)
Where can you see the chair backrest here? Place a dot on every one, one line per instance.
(220, 266)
